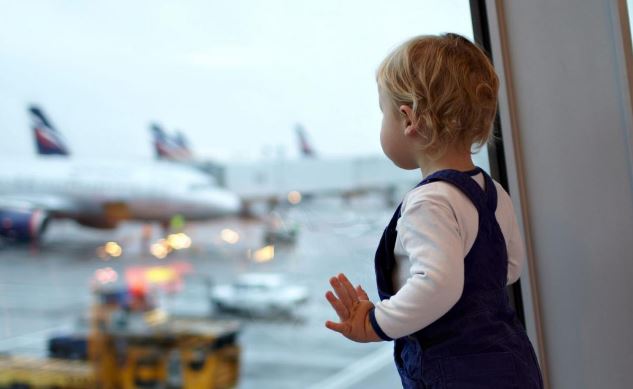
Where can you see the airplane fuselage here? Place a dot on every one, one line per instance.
(102, 193)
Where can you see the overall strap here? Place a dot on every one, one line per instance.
(483, 199)
(491, 191)
(384, 261)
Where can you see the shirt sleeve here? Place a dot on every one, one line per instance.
(430, 235)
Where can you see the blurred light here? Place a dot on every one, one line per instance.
(294, 197)
(168, 278)
(137, 288)
(134, 277)
(159, 274)
(264, 254)
(113, 249)
(179, 241)
(106, 275)
(177, 222)
(160, 249)
(230, 236)
(182, 267)
(172, 241)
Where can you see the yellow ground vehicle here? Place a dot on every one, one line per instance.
(37, 373)
(135, 346)
(145, 348)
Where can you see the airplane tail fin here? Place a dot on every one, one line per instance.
(48, 140)
(305, 147)
(159, 140)
(167, 147)
(183, 142)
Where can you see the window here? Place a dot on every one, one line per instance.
(275, 99)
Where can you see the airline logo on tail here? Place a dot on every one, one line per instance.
(47, 139)
(304, 146)
(170, 148)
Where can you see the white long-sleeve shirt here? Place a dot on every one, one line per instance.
(437, 227)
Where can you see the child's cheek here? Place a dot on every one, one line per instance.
(384, 143)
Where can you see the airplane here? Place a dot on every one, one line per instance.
(183, 142)
(304, 146)
(176, 149)
(169, 148)
(48, 140)
(275, 181)
(99, 193)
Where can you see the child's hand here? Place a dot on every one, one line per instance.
(352, 307)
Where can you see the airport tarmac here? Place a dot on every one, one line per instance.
(44, 290)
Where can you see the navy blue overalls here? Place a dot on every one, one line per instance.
(479, 342)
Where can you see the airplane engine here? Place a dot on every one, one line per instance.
(23, 225)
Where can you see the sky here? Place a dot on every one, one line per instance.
(234, 76)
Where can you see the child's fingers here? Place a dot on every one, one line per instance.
(342, 328)
(362, 295)
(341, 292)
(348, 287)
(341, 310)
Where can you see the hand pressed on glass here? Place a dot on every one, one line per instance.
(352, 306)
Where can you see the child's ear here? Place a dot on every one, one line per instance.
(408, 120)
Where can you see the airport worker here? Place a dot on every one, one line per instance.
(453, 244)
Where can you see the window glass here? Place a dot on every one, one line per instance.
(131, 129)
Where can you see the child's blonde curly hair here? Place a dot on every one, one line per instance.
(450, 85)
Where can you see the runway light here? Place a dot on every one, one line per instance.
(264, 254)
(230, 236)
(160, 249)
(179, 241)
(113, 249)
(294, 197)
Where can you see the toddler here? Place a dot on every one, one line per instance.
(453, 244)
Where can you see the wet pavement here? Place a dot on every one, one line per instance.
(45, 290)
